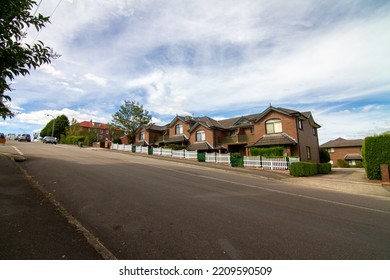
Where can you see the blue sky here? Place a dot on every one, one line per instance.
(216, 58)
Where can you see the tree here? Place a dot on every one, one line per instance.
(61, 123)
(130, 117)
(324, 156)
(18, 57)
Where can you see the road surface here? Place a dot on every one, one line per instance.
(145, 208)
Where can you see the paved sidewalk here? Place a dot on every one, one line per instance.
(31, 228)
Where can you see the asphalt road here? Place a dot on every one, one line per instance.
(145, 208)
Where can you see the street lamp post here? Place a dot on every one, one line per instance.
(54, 120)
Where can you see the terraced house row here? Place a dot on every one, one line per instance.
(293, 130)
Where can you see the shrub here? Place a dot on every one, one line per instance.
(201, 156)
(303, 169)
(236, 160)
(74, 140)
(175, 147)
(324, 168)
(342, 163)
(376, 151)
(267, 152)
(324, 156)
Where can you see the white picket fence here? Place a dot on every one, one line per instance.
(269, 163)
(250, 161)
(191, 154)
(121, 147)
(218, 158)
(166, 152)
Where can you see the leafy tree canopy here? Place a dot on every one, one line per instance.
(16, 56)
(61, 124)
(130, 117)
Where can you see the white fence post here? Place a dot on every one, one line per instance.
(157, 151)
(191, 154)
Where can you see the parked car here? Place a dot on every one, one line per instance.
(2, 138)
(24, 138)
(49, 139)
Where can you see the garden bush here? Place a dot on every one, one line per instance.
(342, 163)
(74, 140)
(324, 156)
(267, 152)
(303, 169)
(324, 168)
(376, 151)
(236, 160)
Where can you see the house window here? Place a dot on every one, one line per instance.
(179, 129)
(308, 153)
(107, 132)
(300, 124)
(232, 132)
(330, 150)
(252, 130)
(200, 136)
(273, 126)
(314, 131)
(141, 135)
(101, 131)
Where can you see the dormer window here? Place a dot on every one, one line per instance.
(200, 136)
(273, 126)
(179, 129)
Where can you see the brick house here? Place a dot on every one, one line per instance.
(295, 131)
(342, 149)
(103, 131)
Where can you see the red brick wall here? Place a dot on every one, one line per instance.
(288, 124)
(186, 127)
(209, 134)
(339, 153)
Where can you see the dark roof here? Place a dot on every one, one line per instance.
(206, 122)
(175, 139)
(157, 127)
(248, 120)
(353, 157)
(340, 142)
(274, 140)
(141, 143)
(200, 146)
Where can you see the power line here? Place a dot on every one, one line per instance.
(39, 32)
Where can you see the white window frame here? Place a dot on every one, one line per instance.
(178, 129)
(200, 136)
(273, 126)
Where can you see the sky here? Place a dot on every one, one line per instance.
(217, 58)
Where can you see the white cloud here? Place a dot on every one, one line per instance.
(98, 80)
(203, 57)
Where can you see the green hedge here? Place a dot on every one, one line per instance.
(376, 151)
(236, 160)
(73, 140)
(267, 152)
(324, 168)
(303, 169)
